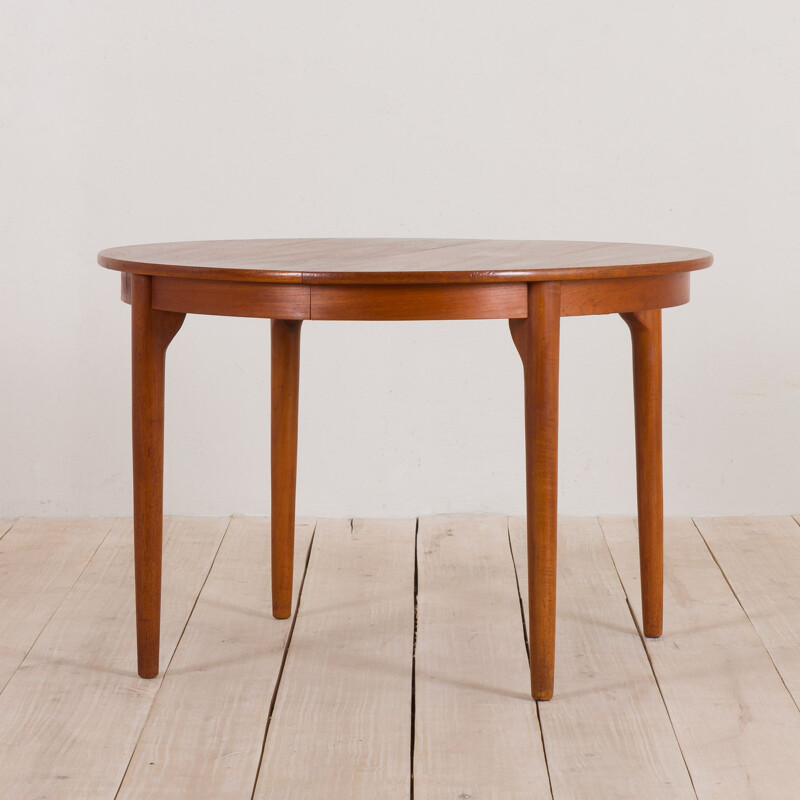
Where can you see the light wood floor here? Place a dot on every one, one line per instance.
(404, 672)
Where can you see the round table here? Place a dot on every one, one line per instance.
(532, 284)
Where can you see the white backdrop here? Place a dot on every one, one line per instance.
(127, 122)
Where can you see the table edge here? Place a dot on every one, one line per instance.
(404, 278)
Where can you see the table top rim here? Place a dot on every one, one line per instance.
(401, 260)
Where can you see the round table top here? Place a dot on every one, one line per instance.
(398, 261)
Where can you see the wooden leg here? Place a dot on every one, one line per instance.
(537, 339)
(646, 335)
(285, 389)
(152, 331)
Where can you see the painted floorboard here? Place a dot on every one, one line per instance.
(760, 557)
(737, 725)
(73, 711)
(205, 732)
(40, 560)
(71, 714)
(341, 726)
(477, 733)
(606, 731)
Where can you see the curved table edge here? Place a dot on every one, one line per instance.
(400, 278)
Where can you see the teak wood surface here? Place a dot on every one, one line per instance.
(531, 283)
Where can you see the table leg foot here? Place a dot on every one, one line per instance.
(152, 331)
(537, 340)
(284, 389)
(645, 329)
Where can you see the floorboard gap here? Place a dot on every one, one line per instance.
(169, 663)
(414, 661)
(63, 599)
(283, 660)
(650, 662)
(528, 652)
(744, 610)
(10, 523)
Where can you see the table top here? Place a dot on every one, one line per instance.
(401, 261)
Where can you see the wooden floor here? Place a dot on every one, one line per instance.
(404, 672)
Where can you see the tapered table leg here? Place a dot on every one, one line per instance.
(537, 339)
(285, 390)
(152, 331)
(645, 329)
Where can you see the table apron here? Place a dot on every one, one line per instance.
(407, 301)
(231, 298)
(420, 301)
(620, 295)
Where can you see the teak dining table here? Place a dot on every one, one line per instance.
(532, 284)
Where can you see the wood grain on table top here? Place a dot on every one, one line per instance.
(363, 261)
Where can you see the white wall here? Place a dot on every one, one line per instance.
(125, 122)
